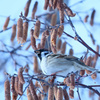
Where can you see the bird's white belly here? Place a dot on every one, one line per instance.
(56, 67)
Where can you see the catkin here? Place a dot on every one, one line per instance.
(72, 80)
(39, 96)
(26, 68)
(82, 72)
(25, 30)
(39, 46)
(63, 49)
(60, 30)
(55, 91)
(20, 88)
(86, 18)
(13, 33)
(71, 93)
(29, 96)
(37, 29)
(46, 4)
(92, 38)
(32, 90)
(71, 52)
(61, 15)
(59, 4)
(53, 37)
(66, 97)
(35, 64)
(59, 45)
(34, 9)
(43, 40)
(19, 30)
(88, 63)
(54, 4)
(28, 46)
(51, 2)
(67, 81)
(14, 96)
(12, 84)
(33, 41)
(16, 84)
(96, 56)
(59, 94)
(92, 18)
(69, 11)
(53, 19)
(6, 23)
(20, 75)
(7, 90)
(27, 8)
(51, 93)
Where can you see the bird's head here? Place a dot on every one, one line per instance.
(41, 52)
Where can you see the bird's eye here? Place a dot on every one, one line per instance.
(37, 52)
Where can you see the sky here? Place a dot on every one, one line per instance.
(13, 8)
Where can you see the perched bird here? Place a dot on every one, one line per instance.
(61, 64)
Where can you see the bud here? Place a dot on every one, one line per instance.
(86, 18)
(92, 38)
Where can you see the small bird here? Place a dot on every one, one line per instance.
(60, 64)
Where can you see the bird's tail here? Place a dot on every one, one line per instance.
(92, 69)
(85, 67)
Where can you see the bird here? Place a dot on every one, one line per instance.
(61, 64)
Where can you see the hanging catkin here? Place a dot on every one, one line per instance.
(34, 9)
(13, 33)
(6, 23)
(7, 90)
(19, 30)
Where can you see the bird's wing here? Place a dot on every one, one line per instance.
(65, 57)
